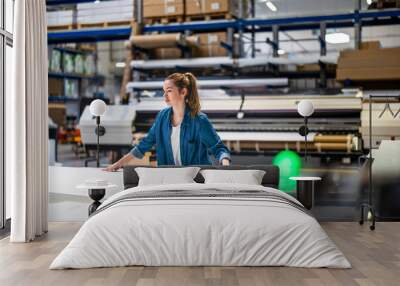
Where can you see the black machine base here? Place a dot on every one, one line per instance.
(96, 195)
(305, 193)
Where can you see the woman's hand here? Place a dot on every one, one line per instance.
(112, 168)
(225, 162)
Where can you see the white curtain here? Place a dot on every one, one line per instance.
(27, 123)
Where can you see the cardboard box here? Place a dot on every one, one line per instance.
(210, 45)
(162, 8)
(56, 87)
(370, 45)
(195, 7)
(369, 64)
(206, 7)
(57, 113)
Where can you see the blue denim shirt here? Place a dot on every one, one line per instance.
(196, 138)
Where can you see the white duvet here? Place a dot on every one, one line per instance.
(200, 231)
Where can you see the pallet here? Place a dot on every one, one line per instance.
(163, 20)
(105, 24)
(61, 27)
(91, 25)
(209, 17)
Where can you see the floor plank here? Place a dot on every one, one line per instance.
(375, 257)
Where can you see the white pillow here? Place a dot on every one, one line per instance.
(166, 176)
(249, 177)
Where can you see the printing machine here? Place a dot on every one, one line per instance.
(256, 124)
(262, 124)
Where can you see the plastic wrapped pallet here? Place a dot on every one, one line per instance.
(79, 60)
(55, 60)
(107, 11)
(68, 63)
(89, 65)
(162, 8)
(71, 88)
(57, 18)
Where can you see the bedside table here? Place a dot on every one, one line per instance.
(305, 190)
(96, 191)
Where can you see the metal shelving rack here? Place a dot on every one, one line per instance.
(356, 19)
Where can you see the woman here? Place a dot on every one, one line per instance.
(182, 134)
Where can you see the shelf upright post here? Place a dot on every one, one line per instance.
(275, 39)
(253, 33)
(229, 36)
(322, 66)
(357, 25)
(241, 49)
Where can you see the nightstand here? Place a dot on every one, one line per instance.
(305, 190)
(96, 191)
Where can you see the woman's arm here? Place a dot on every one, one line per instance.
(138, 151)
(211, 139)
(119, 164)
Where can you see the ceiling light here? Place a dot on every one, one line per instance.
(120, 65)
(281, 52)
(271, 6)
(369, 2)
(337, 38)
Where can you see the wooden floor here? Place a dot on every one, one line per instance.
(375, 257)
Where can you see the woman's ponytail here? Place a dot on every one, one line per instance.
(193, 99)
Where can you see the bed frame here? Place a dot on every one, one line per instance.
(270, 179)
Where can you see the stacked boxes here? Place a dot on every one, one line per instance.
(369, 64)
(162, 8)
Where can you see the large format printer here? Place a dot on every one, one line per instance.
(258, 124)
(251, 124)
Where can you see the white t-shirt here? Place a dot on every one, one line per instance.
(175, 143)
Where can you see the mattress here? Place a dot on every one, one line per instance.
(201, 225)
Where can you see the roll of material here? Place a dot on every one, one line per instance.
(157, 41)
(321, 138)
(239, 146)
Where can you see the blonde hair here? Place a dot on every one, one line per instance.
(188, 81)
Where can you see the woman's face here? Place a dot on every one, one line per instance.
(172, 95)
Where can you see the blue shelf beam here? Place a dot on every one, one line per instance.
(89, 35)
(66, 2)
(367, 18)
(74, 76)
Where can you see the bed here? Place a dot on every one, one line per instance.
(198, 224)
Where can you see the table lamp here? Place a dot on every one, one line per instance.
(305, 108)
(98, 108)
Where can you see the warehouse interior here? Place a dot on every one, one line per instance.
(255, 60)
(309, 86)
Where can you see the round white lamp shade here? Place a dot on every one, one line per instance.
(305, 108)
(97, 107)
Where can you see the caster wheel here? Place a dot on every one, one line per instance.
(361, 222)
(372, 227)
